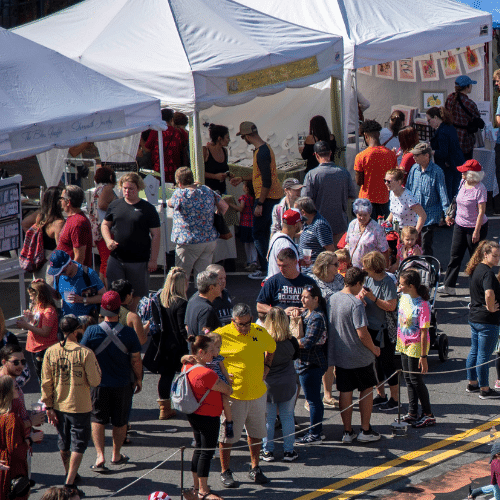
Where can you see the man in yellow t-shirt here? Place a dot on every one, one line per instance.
(248, 352)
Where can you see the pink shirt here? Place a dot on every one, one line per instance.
(468, 204)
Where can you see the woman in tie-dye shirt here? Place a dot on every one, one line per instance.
(413, 344)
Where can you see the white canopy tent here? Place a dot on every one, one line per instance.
(49, 101)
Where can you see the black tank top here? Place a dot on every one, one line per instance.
(214, 167)
(48, 242)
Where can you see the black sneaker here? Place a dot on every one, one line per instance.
(408, 418)
(389, 406)
(489, 394)
(227, 480)
(425, 421)
(257, 476)
(472, 388)
(379, 400)
(290, 456)
(267, 456)
(229, 429)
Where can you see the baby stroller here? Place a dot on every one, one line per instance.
(429, 269)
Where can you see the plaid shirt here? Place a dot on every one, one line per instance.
(313, 344)
(461, 118)
(429, 189)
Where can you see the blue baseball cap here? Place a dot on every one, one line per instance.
(464, 81)
(58, 261)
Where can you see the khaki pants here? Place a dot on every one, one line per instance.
(195, 257)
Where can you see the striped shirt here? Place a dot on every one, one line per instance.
(315, 236)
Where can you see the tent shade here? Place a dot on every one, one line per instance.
(52, 101)
(189, 56)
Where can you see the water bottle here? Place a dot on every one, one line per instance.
(395, 225)
(380, 220)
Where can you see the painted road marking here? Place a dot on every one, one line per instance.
(405, 458)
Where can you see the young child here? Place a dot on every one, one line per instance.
(245, 208)
(495, 475)
(344, 260)
(413, 343)
(217, 365)
(407, 246)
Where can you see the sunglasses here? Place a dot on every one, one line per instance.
(387, 181)
(17, 362)
(241, 325)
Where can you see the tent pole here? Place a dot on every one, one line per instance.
(163, 208)
(336, 109)
(198, 165)
(356, 128)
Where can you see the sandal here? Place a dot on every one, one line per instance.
(209, 496)
(191, 494)
(123, 460)
(101, 468)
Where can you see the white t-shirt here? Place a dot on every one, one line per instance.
(401, 208)
(277, 243)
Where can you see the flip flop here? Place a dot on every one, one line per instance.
(123, 460)
(101, 468)
(209, 496)
(191, 494)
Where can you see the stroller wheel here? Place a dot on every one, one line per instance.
(443, 347)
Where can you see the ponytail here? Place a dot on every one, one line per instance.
(412, 277)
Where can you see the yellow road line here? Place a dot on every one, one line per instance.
(398, 461)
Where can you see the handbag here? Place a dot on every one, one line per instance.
(297, 326)
(473, 125)
(219, 223)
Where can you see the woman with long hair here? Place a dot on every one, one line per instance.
(41, 321)
(413, 343)
(318, 131)
(205, 421)
(281, 386)
(470, 224)
(389, 137)
(408, 138)
(105, 182)
(455, 104)
(51, 219)
(215, 157)
(13, 444)
(447, 152)
(484, 316)
(169, 344)
(312, 363)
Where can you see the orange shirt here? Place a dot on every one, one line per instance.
(275, 191)
(374, 162)
(41, 318)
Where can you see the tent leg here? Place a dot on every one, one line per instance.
(356, 128)
(198, 165)
(163, 209)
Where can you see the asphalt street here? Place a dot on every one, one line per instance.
(437, 461)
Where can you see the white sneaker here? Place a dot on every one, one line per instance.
(368, 436)
(348, 437)
(257, 275)
(447, 290)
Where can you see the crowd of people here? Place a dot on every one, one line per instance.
(333, 307)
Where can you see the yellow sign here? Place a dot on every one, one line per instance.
(272, 76)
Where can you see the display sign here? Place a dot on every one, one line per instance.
(10, 232)
(9, 200)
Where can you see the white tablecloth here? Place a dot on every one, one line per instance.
(486, 158)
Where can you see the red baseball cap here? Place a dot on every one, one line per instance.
(473, 165)
(110, 304)
(291, 216)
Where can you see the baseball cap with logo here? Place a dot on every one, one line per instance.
(110, 304)
(59, 260)
(292, 183)
(473, 165)
(464, 81)
(291, 217)
(322, 147)
(247, 128)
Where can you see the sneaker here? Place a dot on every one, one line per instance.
(267, 456)
(229, 429)
(309, 439)
(290, 456)
(446, 290)
(252, 267)
(257, 476)
(348, 437)
(389, 406)
(425, 421)
(257, 275)
(332, 403)
(408, 418)
(472, 388)
(227, 480)
(379, 400)
(497, 384)
(368, 436)
(489, 394)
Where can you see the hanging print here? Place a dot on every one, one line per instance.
(385, 70)
(428, 70)
(450, 66)
(406, 70)
(472, 60)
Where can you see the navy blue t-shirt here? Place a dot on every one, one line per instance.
(283, 292)
(115, 364)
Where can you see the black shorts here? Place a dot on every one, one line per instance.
(73, 430)
(111, 403)
(349, 379)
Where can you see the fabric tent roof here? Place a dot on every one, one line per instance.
(184, 51)
(379, 31)
(47, 100)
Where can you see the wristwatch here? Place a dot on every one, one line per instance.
(84, 301)
(259, 203)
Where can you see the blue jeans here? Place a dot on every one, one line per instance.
(287, 425)
(310, 381)
(262, 229)
(483, 340)
(491, 488)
